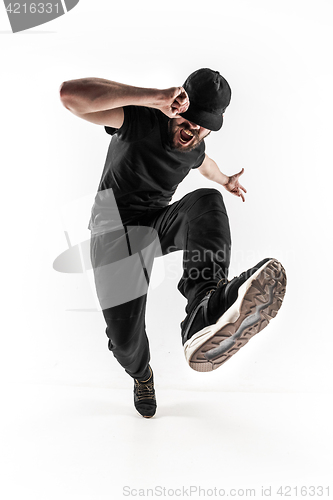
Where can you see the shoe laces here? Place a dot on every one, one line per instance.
(145, 390)
(222, 282)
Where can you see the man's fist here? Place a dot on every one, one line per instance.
(174, 101)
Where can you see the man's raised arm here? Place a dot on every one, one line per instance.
(101, 101)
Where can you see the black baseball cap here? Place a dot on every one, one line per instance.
(209, 94)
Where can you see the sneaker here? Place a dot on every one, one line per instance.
(144, 396)
(228, 317)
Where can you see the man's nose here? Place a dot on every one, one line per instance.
(194, 126)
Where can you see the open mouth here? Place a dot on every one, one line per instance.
(185, 136)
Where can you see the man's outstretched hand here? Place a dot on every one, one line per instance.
(174, 101)
(233, 185)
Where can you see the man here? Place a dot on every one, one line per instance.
(157, 138)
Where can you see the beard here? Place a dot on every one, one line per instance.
(173, 128)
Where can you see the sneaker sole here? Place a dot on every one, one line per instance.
(145, 416)
(259, 300)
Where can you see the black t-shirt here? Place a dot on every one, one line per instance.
(141, 168)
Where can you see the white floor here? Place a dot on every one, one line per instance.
(69, 430)
(62, 442)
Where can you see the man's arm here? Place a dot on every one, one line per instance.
(209, 169)
(101, 101)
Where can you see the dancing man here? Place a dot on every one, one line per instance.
(158, 136)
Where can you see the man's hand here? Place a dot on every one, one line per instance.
(233, 185)
(210, 170)
(174, 101)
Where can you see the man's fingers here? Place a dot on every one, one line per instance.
(239, 193)
(182, 96)
(179, 109)
(183, 109)
(243, 188)
(183, 100)
(182, 104)
(174, 111)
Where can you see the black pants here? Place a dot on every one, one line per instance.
(197, 224)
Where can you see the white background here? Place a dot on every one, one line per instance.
(270, 405)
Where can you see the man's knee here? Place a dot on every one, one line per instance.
(207, 199)
(198, 193)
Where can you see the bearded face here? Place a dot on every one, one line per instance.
(185, 135)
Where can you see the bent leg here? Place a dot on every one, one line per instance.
(197, 224)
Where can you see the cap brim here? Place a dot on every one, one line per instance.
(210, 121)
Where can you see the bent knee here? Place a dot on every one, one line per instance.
(199, 193)
(206, 199)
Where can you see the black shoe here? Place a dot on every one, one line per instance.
(226, 318)
(144, 396)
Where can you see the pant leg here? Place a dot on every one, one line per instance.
(197, 224)
(121, 286)
(128, 340)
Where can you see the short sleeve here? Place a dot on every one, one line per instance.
(201, 155)
(138, 122)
